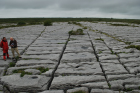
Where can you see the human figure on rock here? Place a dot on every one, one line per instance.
(4, 46)
(13, 44)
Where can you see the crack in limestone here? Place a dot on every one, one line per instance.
(97, 57)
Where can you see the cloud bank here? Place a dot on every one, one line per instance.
(70, 8)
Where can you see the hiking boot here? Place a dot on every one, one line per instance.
(8, 58)
(13, 57)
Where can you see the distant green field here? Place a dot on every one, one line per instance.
(39, 20)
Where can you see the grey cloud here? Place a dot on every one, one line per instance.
(77, 7)
(25, 4)
(107, 6)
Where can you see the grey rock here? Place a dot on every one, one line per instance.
(1, 87)
(77, 57)
(68, 81)
(33, 71)
(48, 57)
(84, 89)
(28, 83)
(10, 70)
(136, 87)
(48, 73)
(96, 85)
(121, 76)
(52, 91)
(102, 91)
(35, 62)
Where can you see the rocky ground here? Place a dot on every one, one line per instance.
(55, 62)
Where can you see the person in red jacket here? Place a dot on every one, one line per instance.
(4, 45)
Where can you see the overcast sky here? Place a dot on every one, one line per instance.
(70, 8)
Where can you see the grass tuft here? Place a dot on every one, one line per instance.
(12, 64)
(133, 46)
(99, 39)
(129, 89)
(21, 23)
(22, 72)
(77, 32)
(42, 69)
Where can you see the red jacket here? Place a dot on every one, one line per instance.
(4, 45)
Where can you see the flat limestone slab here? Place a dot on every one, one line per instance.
(78, 49)
(96, 85)
(5, 63)
(82, 68)
(11, 69)
(53, 91)
(103, 91)
(62, 82)
(45, 48)
(48, 56)
(76, 57)
(44, 52)
(35, 62)
(28, 83)
(75, 90)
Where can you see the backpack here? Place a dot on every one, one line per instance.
(1, 44)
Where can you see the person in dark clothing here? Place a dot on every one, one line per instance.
(4, 46)
(13, 44)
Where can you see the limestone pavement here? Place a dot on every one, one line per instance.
(55, 62)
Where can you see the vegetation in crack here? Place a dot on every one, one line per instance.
(133, 46)
(22, 72)
(77, 32)
(42, 69)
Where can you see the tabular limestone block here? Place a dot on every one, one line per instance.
(4, 63)
(35, 62)
(43, 52)
(25, 84)
(48, 57)
(49, 41)
(96, 85)
(2, 69)
(78, 48)
(121, 76)
(113, 69)
(10, 70)
(76, 57)
(108, 57)
(132, 86)
(45, 48)
(103, 91)
(123, 55)
(133, 80)
(62, 82)
(53, 91)
(110, 61)
(117, 84)
(84, 89)
(82, 68)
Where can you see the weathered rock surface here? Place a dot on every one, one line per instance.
(97, 61)
(26, 83)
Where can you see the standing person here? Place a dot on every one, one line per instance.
(4, 46)
(13, 44)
